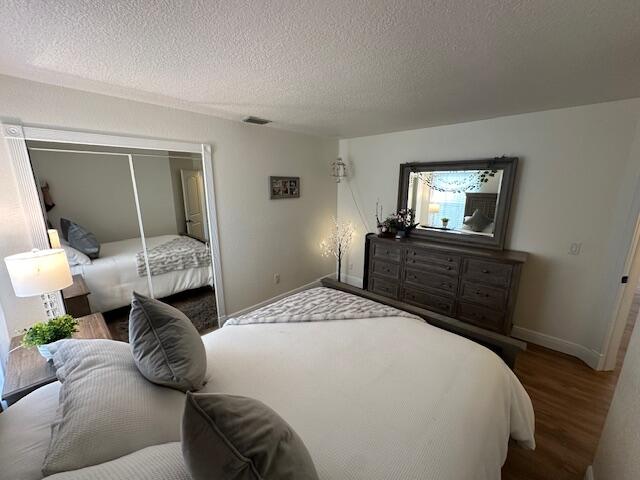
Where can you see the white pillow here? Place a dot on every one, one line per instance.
(74, 257)
(107, 408)
(158, 462)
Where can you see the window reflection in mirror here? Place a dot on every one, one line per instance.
(456, 201)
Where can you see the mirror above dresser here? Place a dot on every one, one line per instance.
(459, 202)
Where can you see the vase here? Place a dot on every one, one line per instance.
(44, 351)
(445, 223)
(401, 234)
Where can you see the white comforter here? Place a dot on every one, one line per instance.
(113, 277)
(377, 399)
(381, 398)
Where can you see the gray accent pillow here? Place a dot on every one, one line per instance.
(107, 408)
(65, 223)
(478, 221)
(83, 240)
(166, 346)
(240, 438)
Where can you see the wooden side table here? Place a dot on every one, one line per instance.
(27, 370)
(76, 301)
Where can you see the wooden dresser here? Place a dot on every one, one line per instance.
(474, 285)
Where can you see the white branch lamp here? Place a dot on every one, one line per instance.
(40, 272)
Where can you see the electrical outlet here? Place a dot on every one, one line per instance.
(575, 248)
(276, 278)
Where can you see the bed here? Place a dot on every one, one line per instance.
(380, 397)
(114, 276)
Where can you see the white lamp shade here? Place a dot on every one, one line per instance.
(434, 207)
(37, 272)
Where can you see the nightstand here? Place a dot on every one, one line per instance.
(27, 370)
(76, 301)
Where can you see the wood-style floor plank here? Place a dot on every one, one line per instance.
(570, 401)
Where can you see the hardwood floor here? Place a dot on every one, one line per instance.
(571, 402)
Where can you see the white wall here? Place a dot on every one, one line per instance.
(258, 236)
(96, 191)
(576, 181)
(617, 456)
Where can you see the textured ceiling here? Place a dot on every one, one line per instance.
(332, 67)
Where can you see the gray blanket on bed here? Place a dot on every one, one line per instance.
(180, 253)
(318, 304)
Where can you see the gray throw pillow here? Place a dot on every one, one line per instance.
(65, 223)
(166, 346)
(478, 221)
(83, 240)
(240, 438)
(107, 409)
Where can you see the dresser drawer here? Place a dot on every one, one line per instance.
(492, 297)
(386, 269)
(422, 279)
(491, 273)
(427, 300)
(482, 317)
(434, 262)
(381, 286)
(386, 251)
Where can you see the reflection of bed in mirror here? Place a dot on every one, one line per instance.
(114, 276)
(486, 204)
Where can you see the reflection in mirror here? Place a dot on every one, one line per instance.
(95, 198)
(170, 190)
(458, 201)
(464, 202)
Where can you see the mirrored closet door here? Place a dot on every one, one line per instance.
(129, 220)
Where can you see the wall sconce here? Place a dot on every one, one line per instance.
(338, 170)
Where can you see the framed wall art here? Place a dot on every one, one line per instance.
(284, 187)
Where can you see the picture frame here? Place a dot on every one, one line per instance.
(284, 187)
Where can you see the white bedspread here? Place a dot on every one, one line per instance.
(377, 399)
(381, 398)
(113, 277)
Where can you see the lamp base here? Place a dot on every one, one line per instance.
(50, 303)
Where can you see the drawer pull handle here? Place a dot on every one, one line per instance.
(449, 259)
(449, 267)
(414, 252)
(413, 261)
(484, 270)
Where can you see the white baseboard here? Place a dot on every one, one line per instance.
(353, 280)
(307, 286)
(589, 473)
(588, 356)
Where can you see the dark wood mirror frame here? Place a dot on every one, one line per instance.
(507, 164)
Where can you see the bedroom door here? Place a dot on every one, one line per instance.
(194, 205)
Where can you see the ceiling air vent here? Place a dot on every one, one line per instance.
(256, 120)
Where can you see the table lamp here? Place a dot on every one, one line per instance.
(433, 209)
(40, 272)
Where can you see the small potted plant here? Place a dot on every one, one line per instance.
(445, 222)
(41, 334)
(401, 222)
